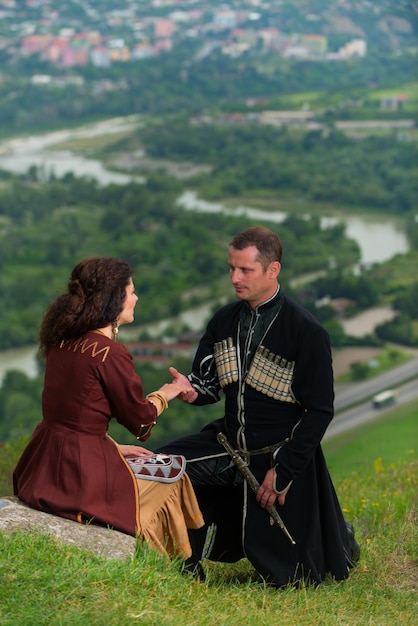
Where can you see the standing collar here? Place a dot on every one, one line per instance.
(264, 306)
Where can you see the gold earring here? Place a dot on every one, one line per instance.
(115, 329)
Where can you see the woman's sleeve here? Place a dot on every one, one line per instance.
(125, 394)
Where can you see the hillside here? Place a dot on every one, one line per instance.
(378, 494)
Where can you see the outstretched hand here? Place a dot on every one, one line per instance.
(187, 393)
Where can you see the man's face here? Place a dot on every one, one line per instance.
(248, 277)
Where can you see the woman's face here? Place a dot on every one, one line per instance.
(127, 314)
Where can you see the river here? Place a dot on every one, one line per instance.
(17, 155)
(379, 239)
(21, 359)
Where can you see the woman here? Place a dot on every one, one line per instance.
(71, 467)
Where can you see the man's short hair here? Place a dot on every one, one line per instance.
(267, 243)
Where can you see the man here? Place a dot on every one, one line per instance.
(272, 361)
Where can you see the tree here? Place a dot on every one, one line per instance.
(336, 332)
(359, 371)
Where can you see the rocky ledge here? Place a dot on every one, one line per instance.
(17, 516)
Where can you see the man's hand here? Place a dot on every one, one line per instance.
(266, 495)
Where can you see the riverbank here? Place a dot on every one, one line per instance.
(24, 359)
(19, 154)
(365, 322)
(379, 238)
(20, 359)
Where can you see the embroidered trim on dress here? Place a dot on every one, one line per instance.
(84, 345)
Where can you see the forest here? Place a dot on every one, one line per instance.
(379, 172)
(48, 227)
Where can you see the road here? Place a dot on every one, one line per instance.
(352, 394)
(358, 397)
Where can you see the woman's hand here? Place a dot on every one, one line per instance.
(131, 450)
(180, 387)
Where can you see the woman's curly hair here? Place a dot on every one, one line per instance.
(94, 298)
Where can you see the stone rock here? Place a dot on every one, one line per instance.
(111, 544)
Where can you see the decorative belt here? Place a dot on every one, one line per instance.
(266, 450)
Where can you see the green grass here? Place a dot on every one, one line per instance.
(323, 99)
(392, 439)
(396, 273)
(409, 89)
(375, 474)
(90, 144)
(292, 204)
(381, 363)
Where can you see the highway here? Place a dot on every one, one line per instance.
(354, 393)
(353, 403)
